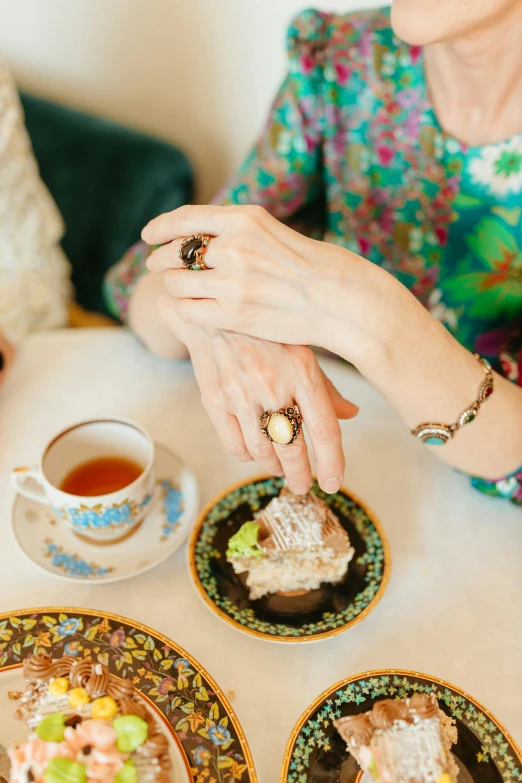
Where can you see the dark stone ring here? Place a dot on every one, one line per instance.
(192, 250)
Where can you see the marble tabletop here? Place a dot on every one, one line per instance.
(453, 606)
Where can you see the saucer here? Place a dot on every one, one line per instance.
(53, 547)
(484, 752)
(299, 617)
(206, 739)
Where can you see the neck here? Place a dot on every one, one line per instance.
(475, 80)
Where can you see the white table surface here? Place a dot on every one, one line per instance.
(453, 606)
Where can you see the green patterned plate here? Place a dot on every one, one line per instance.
(311, 616)
(484, 753)
(207, 741)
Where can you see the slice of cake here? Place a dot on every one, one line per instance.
(403, 741)
(295, 543)
(86, 726)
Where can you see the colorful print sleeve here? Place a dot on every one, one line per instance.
(121, 279)
(504, 348)
(283, 171)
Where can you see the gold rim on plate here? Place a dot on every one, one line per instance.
(285, 639)
(80, 611)
(309, 711)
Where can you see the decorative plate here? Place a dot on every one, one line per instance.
(208, 744)
(484, 753)
(52, 546)
(311, 616)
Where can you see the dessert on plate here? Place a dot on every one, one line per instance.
(86, 725)
(403, 741)
(294, 544)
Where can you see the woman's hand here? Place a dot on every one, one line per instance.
(6, 357)
(264, 279)
(240, 377)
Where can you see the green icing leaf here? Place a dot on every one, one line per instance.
(373, 769)
(65, 771)
(132, 732)
(244, 542)
(127, 774)
(51, 728)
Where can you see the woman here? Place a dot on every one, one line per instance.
(407, 155)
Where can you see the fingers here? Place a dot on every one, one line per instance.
(196, 284)
(344, 409)
(229, 430)
(185, 221)
(320, 420)
(199, 312)
(295, 462)
(257, 444)
(165, 257)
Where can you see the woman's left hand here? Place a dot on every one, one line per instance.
(263, 279)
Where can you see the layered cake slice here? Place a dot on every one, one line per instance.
(403, 741)
(86, 726)
(295, 543)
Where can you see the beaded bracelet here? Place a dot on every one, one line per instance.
(439, 434)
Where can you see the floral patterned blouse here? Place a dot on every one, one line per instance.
(353, 153)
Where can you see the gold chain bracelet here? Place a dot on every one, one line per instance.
(434, 434)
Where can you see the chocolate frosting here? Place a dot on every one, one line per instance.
(81, 673)
(118, 689)
(155, 746)
(42, 667)
(423, 706)
(385, 713)
(97, 681)
(356, 729)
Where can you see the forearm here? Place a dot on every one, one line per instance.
(145, 320)
(429, 377)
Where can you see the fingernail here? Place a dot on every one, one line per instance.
(146, 232)
(331, 485)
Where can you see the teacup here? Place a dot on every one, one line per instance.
(100, 519)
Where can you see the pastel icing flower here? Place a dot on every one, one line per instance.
(69, 627)
(36, 751)
(202, 756)
(97, 734)
(219, 735)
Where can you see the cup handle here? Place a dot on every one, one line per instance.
(19, 477)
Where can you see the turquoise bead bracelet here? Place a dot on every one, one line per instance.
(435, 434)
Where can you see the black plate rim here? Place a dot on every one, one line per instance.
(285, 768)
(268, 637)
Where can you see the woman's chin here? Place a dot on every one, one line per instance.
(413, 25)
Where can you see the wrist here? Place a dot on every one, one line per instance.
(363, 311)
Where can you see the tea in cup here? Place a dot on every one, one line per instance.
(98, 476)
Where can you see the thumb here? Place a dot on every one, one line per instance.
(344, 409)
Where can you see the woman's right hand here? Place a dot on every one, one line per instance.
(240, 377)
(6, 357)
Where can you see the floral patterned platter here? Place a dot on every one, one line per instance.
(208, 744)
(50, 545)
(484, 753)
(311, 616)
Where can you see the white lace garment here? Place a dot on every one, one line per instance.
(35, 287)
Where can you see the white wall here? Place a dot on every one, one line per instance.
(200, 73)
